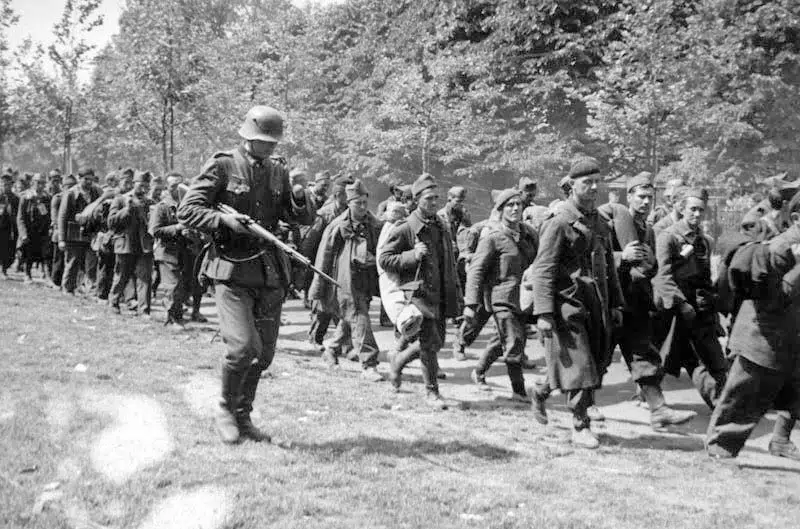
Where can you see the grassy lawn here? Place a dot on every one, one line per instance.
(126, 440)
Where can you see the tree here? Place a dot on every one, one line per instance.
(8, 18)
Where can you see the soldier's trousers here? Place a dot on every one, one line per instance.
(355, 328)
(471, 329)
(127, 266)
(75, 262)
(749, 392)
(320, 321)
(57, 267)
(105, 273)
(426, 347)
(509, 343)
(249, 319)
(638, 351)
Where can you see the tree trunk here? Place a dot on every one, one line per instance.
(171, 135)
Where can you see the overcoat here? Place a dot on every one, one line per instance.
(9, 203)
(128, 218)
(33, 224)
(574, 279)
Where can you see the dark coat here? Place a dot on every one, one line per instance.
(495, 271)
(9, 204)
(347, 255)
(324, 217)
(766, 330)
(128, 219)
(398, 257)
(681, 278)
(33, 224)
(259, 189)
(74, 202)
(574, 279)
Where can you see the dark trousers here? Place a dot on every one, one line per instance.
(509, 343)
(75, 262)
(249, 319)
(426, 347)
(105, 273)
(138, 266)
(320, 321)
(578, 402)
(355, 328)
(57, 268)
(638, 351)
(749, 392)
(471, 329)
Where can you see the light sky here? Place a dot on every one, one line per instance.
(37, 17)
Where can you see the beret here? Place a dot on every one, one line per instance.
(356, 189)
(501, 197)
(642, 179)
(425, 181)
(583, 166)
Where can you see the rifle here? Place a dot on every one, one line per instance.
(265, 235)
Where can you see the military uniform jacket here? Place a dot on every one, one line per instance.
(324, 217)
(128, 219)
(33, 218)
(169, 245)
(74, 202)
(574, 279)
(766, 330)
(397, 257)
(347, 253)
(682, 277)
(260, 189)
(495, 271)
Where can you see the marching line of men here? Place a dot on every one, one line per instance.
(586, 277)
(114, 242)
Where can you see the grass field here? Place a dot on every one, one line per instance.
(105, 422)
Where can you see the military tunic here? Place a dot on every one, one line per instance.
(33, 226)
(9, 204)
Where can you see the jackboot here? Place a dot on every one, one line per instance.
(661, 414)
(246, 427)
(225, 418)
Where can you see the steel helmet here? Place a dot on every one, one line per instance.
(262, 123)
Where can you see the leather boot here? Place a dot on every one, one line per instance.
(539, 407)
(246, 427)
(401, 359)
(781, 445)
(661, 414)
(225, 418)
(517, 384)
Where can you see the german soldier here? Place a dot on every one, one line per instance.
(250, 280)
(33, 226)
(71, 236)
(9, 204)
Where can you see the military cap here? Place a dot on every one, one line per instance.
(341, 182)
(85, 171)
(355, 190)
(500, 197)
(425, 181)
(457, 191)
(142, 176)
(644, 179)
(526, 181)
(323, 176)
(38, 177)
(583, 166)
(696, 192)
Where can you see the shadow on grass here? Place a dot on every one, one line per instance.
(679, 443)
(363, 446)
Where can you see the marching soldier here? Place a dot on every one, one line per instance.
(9, 204)
(33, 226)
(57, 269)
(764, 341)
(505, 250)
(685, 296)
(321, 314)
(347, 251)
(634, 252)
(250, 280)
(577, 300)
(71, 236)
(420, 248)
(133, 245)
